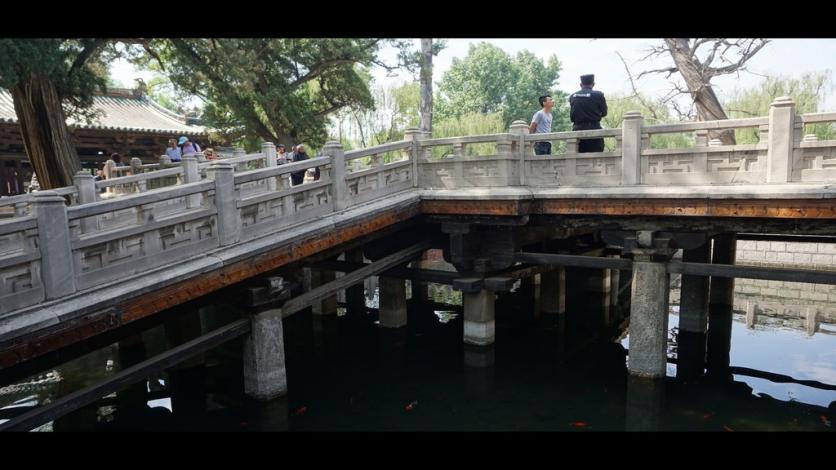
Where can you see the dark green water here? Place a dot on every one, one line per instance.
(347, 374)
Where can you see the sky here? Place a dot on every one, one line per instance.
(784, 57)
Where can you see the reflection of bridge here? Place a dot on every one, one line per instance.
(71, 273)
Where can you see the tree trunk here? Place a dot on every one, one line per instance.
(43, 126)
(708, 106)
(427, 85)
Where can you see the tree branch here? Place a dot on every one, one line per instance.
(635, 91)
(90, 47)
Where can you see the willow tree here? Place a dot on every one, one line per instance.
(275, 89)
(50, 79)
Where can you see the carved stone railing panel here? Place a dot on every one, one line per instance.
(20, 278)
(469, 172)
(599, 169)
(272, 210)
(150, 233)
(707, 165)
(378, 181)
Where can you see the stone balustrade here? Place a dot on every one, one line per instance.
(50, 249)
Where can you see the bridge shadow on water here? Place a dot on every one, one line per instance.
(546, 372)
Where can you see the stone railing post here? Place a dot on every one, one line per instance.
(57, 272)
(270, 160)
(519, 129)
(339, 188)
(631, 148)
(229, 218)
(238, 152)
(85, 185)
(191, 174)
(413, 134)
(781, 129)
(136, 168)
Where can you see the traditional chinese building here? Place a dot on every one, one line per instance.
(128, 122)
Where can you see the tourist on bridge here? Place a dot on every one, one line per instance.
(173, 151)
(541, 123)
(282, 155)
(187, 147)
(298, 177)
(588, 106)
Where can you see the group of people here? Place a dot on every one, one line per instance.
(588, 107)
(184, 146)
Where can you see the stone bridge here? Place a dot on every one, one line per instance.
(71, 271)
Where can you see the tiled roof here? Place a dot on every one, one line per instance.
(121, 111)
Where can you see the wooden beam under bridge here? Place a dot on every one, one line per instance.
(403, 256)
(398, 272)
(133, 374)
(693, 269)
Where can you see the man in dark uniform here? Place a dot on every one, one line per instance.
(588, 106)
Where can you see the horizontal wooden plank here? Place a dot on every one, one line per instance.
(574, 260)
(475, 207)
(298, 303)
(755, 208)
(414, 274)
(753, 272)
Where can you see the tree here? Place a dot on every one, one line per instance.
(280, 89)
(488, 80)
(698, 65)
(426, 85)
(50, 79)
(809, 92)
(395, 109)
(653, 111)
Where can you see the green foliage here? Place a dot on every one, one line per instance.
(163, 92)
(809, 92)
(489, 81)
(54, 59)
(278, 89)
(653, 111)
(395, 109)
(469, 124)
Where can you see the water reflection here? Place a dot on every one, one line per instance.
(553, 372)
